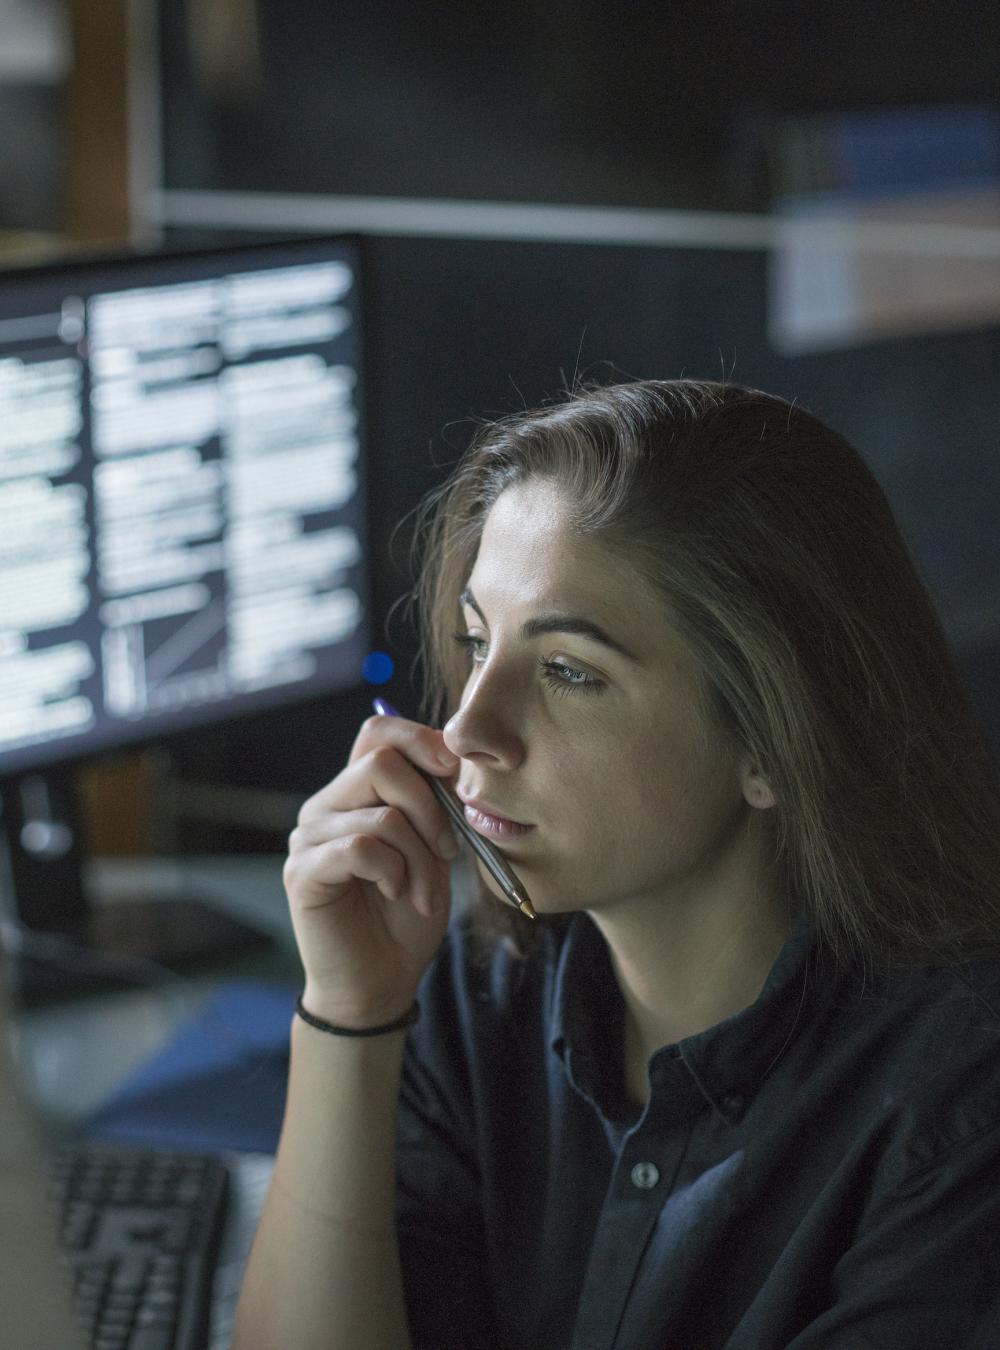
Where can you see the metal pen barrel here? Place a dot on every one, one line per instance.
(496, 864)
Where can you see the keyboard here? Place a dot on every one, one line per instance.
(140, 1231)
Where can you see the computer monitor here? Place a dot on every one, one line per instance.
(183, 526)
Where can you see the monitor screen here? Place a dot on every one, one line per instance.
(182, 517)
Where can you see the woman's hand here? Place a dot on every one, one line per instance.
(368, 875)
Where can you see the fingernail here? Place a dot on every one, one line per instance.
(447, 846)
(446, 758)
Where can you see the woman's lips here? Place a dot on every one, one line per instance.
(484, 820)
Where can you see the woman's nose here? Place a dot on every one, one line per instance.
(484, 729)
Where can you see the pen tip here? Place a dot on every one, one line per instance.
(526, 907)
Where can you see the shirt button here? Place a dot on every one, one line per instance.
(645, 1175)
(734, 1101)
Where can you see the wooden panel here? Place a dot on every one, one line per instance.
(116, 805)
(116, 795)
(97, 181)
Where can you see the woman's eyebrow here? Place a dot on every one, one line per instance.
(559, 623)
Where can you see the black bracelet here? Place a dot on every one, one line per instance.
(407, 1020)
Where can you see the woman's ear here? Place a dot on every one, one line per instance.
(757, 790)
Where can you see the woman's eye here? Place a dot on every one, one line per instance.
(565, 679)
(558, 675)
(474, 647)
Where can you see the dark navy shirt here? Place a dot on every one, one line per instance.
(820, 1170)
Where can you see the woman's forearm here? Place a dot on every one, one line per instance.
(323, 1273)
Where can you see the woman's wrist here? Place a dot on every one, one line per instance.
(358, 1026)
(353, 1015)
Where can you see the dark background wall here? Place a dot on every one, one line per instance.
(645, 104)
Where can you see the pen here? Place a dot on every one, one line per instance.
(494, 861)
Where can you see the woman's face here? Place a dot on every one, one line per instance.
(585, 754)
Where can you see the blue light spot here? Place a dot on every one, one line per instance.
(378, 668)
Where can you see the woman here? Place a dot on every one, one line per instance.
(739, 1084)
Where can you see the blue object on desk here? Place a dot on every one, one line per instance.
(219, 1084)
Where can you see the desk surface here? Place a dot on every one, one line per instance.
(73, 1053)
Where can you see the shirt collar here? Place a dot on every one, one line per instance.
(728, 1061)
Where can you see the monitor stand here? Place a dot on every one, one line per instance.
(56, 941)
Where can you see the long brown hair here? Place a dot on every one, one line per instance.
(781, 566)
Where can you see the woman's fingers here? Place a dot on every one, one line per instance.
(383, 776)
(376, 844)
(378, 822)
(421, 744)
